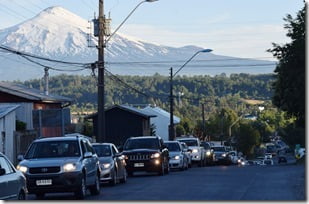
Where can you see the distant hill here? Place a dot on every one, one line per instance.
(57, 33)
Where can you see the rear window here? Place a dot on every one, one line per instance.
(53, 149)
(143, 143)
(102, 150)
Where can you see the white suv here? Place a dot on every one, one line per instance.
(198, 153)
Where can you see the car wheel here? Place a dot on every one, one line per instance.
(114, 178)
(95, 189)
(124, 178)
(82, 190)
(130, 173)
(39, 196)
(21, 195)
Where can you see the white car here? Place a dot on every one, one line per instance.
(198, 153)
(178, 159)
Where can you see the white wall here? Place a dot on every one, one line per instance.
(7, 126)
(161, 122)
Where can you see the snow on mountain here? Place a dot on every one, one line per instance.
(59, 34)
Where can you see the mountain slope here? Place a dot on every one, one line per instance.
(59, 34)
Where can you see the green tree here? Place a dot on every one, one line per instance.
(289, 86)
(247, 139)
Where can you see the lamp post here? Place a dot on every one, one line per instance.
(103, 32)
(171, 127)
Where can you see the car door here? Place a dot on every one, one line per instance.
(118, 161)
(91, 163)
(9, 183)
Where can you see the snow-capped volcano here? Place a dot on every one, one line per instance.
(57, 33)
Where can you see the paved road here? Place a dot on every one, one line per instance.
(219, 183)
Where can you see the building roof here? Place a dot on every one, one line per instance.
(127, 108)
(160, 111)
(30, 93)
(6, 109)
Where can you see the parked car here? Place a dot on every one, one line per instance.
(282, 159)
(210, 155)
(146, 153)
(187, 152)
(12, 182)
(113, 164)
(178, 158)
(267, 162)
(197, 151)
(222, 156)
(61, 164)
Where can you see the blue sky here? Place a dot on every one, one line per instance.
(241, 28)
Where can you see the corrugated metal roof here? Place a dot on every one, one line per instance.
(30, 94)
(131, 109)
(137, 111)
(6, 109)
(162, 112)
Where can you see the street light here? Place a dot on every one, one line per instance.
(171, 128)
(102, 25)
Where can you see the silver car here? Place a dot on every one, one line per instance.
(61, 164)
(12, 182)
(113, 164)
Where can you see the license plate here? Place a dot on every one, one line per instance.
(138, 164)
(44, 182)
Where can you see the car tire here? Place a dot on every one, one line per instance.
(95, 189)
(113, 182)
(39, 196)
(80, 194)
(124, 178)
(21, 195)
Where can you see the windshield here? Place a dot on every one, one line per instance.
(205, 145)
(219, 149)
(173, 147)
(103, 150)
(190, 142)
(53, 149)
(143, 143)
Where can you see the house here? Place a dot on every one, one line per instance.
(7, 129)
(162, 121)
(46, 113)
(123, 122)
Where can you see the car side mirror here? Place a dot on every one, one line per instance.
(190, 150)
(20, 157)
(2, 171)
(87, 155)
(118, 155)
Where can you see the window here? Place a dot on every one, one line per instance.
(5, 165)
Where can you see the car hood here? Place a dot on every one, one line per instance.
(47, 162)
(105, 160)
(172, 154)
(134, 151)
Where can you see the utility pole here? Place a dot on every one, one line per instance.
(101, 81)
(46, 81)
(171, 128)
(203, 118)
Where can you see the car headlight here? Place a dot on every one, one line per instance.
(224, 155)
(208, 153)
(69, 167)
(23, 169)
(194, 151)
(106, 165)
(177, 157)
(155, 155)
